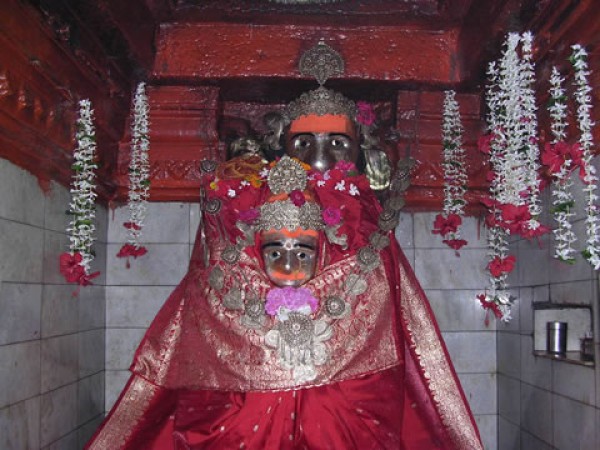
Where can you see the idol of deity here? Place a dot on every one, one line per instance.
(300, 324)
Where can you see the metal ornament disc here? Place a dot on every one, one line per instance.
(322, 62)
(231, 254)
(213, 206)
(297, 330)
(208, 166)
(335, 306)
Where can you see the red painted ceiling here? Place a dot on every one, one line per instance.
(214, 62)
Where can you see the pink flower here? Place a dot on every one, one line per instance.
(456, 244)
(345, 166)
(249, 216)
(499, 266)
(293, 299)
(365, 114)
(297, 197)
(331, 216)
(444, 225)
(484, 143)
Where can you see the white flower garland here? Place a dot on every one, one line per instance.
(83, 196)
(139, 167)
(584, 121)
(455, 174)
(562, 196)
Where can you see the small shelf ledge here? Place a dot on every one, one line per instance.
(572, 357)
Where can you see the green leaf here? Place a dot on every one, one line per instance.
(145, 183)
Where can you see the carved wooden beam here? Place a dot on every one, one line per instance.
(199, 51)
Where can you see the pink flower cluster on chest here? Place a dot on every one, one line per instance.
(291, 298)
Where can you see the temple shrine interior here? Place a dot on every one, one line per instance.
(213, 69)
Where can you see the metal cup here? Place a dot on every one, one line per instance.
(556, 337)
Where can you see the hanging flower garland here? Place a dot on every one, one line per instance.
(584, 121)
(561, 159)
(512, 145)
(75, 264)
(139, 177)
(455, 176)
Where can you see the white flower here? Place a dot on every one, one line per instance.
(231, 193)
(264, 173)
(340, 186)
(320, 183)
(326, 175)
(353, 191)
(244, 183)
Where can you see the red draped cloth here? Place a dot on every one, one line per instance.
(202, 380)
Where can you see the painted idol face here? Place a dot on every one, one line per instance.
(290, 257)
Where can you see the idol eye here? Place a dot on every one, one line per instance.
(338, 142)
(301, 143)
(302, 256)
(275, 254)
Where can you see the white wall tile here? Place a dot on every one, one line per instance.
(574, 292)
(90, 398)
(458, 310)
(20, 309)
(526, 296)
(529, 267)
(21, 247)
(121, 344)
(472, 352)
(58, 413)
(194, 221)
(164, 265)
(56, 207)
(92, 308)
(20, 425)
(91, 352)
(574, 381)
(68, 442)
(165, 223)
(529, 441)
(134, 306)
(19, 372)
(60, 310)
(55, 243)
(20, 188)
(509, 395)
(481, 392)
(574, 425)
(536, 412)
(115, 382)
(60, 361)
(509, 435)
(535, 370)
(442, 269)
(488, 430)
(509, 354)
(405, 231)
(87, 430)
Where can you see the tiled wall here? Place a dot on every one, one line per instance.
(134, 296)
(51, 343)
(546, 404)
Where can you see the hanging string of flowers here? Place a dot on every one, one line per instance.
(514, 204)
(584, 122)
(75, 264)
(561, 159)
(139, 177)
(455, 176)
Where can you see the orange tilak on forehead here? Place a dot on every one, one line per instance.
(292, 234)
(328, 123)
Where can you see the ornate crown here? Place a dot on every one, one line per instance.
(321, 62)
(289, 177)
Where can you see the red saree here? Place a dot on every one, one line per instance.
(203, 378)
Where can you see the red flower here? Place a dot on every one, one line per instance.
(331, 216)
(529, 233)
(456, 244)
(345, 166)
(443, 225)
(297, 197)
(499, 266)
(515, 217)
(70, 266)
(85, 280)
(131, 225)
(131, 250)
(365, 114)
(489, 203)
(554, 155)
(490, 306)
(484, 143)
(249, 216)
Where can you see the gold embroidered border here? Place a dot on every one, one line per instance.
(433, 362)
(124, 420)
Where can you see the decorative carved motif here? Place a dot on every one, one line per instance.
(321, 62)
